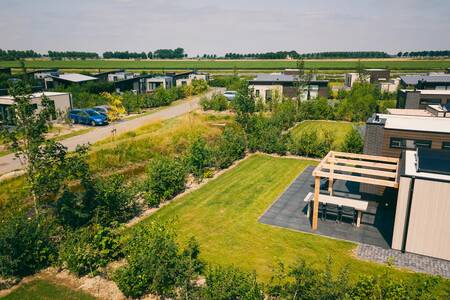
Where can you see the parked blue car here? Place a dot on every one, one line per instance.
(88, 117)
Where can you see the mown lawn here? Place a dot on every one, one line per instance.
(230, 64)
(339, 128)
(42, 290)
(223, 216)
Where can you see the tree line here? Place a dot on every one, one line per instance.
(18, 54)
(72, 54)
(160, 53)
(295, 55)
(429, 53)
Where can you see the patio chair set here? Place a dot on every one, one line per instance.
(338, 212)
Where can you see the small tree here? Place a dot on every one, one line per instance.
(115, 106)
(223, 283)
(199, 157)
(353, 142)
(166, 178)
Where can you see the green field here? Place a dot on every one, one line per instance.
(223, 216)
(230, 64)
(339, 128)
(42, 290)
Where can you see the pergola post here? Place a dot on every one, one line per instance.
(315, 214)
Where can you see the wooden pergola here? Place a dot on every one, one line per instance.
(368, 169)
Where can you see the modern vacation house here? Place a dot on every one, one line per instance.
(268, 86)
(420, 99)
(62, 102)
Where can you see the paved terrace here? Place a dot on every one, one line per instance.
(289, 211)
(374, 236)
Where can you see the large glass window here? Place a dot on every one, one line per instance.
(268, 94)
(428, 101)
(446, 145)
(400, 143)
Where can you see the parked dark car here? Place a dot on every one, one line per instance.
(103, 109)
(88, 117)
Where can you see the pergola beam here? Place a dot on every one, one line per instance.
(333, 167)
(359, 179)
(365, 156)
(363, 163)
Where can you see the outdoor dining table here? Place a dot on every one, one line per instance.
(359, 205)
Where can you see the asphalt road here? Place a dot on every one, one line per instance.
(10, 163)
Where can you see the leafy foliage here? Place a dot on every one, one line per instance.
(166, 178)
(223, 283)
(199, 157)
(27, 244)
(156, 264)
(230, 147)
(310, 145)
(217, 102)
(353, 142)
(86, 250)
(116, 108)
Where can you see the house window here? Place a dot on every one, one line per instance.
(257, 93)
(268, 94)
(399, 143)
(445, 145)
(428, 101)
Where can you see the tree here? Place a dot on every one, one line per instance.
(353, 142)
(199, 157)
(27, 140)
(359, 104)
(115, 106)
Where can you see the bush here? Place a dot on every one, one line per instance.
(27, 244)
(230, 147)
(156, 265)
(312, 144)
(88, 249)
(199, 86)
(166, 178)
(114, 201)
(265, 136)
(353, 142)
(199, 157)
(223, 283)
(218, 102)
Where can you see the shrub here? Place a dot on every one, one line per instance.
(199, 157)
(156, 264)
(353, 142)
(230, 147)
(166, 178)
(114, 201)
(266, 137)
(88, 249)
(217, 102)
(27, 244)
(231, 283)
(312, 144)
(199, 86)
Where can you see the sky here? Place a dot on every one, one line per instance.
(218, 27)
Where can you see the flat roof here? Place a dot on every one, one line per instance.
(409, 112)
(414, 79)
(415, 123)
(412, 162)
(9, 100)
(74, 77)
(428, 92)
(278, 78)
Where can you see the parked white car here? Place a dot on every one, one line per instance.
(230, 95)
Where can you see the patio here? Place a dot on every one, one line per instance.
(290, 211)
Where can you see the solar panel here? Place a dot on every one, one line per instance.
(433, 161)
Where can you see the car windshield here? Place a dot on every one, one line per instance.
(92, 113)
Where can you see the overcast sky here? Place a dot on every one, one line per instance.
(210, 26)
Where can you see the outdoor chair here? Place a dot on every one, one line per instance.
(322, 211)
(348, 213)
(332, 210)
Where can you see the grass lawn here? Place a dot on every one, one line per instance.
(339, 128)
(399, 64)
(41, 289)
(223, 216)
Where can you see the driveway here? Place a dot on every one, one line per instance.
(10, 163)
